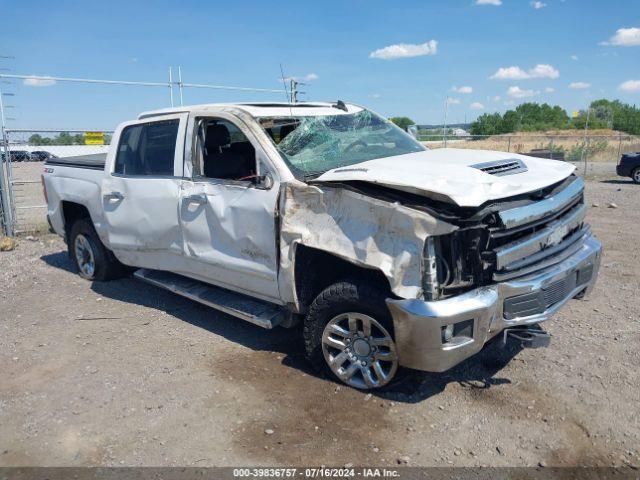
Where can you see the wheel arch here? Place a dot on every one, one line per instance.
(315, 269)
(72, 212)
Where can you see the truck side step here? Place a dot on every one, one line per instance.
(260, 313)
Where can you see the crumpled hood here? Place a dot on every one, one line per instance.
(446, 174)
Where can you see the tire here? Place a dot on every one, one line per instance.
(351, 355)
(93, 260)
(635, 175)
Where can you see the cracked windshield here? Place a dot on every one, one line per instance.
(312, 145)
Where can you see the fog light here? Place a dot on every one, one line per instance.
(447, 333)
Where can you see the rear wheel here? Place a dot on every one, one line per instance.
(349, 333)
(93, 259)
(635, 175)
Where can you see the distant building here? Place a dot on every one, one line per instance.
(459, 132)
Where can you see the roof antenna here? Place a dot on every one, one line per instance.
(340, 104)
(284, 82)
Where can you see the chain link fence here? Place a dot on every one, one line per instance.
(571, 148)
(23, 155)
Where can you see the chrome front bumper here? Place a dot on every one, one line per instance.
(419, 325)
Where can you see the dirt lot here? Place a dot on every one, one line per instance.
(122, 373)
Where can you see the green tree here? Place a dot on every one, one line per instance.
(402, 122)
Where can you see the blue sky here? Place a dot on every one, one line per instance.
(342, 45)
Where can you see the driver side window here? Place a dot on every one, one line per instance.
(223, 152)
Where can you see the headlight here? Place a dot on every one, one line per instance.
(453, 263)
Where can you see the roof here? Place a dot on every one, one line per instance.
(262, 109)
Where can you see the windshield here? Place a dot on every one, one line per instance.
(312, 145)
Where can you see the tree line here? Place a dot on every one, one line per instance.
(532, 117)
(63, 138)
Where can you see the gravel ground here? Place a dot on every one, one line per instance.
(122, 373)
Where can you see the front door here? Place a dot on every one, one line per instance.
(140, 196)
(227, 210)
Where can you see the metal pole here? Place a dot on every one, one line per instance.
(509, 144)
(180, 84)
(82, 80)
(584, 143)
(170, 87)
(5, 185)
(619, 148)
(294, 90)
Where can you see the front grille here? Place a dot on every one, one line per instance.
(539, 301)
(547, 240)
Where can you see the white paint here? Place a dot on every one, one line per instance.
(446, 174)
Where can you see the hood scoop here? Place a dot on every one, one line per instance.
(502, 167)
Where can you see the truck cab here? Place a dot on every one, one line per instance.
(392, 255)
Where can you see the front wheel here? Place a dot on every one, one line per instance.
(635, 175)
(349, 333)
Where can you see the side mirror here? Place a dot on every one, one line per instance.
(265, 182)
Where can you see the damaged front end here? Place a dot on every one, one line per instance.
(516, 267)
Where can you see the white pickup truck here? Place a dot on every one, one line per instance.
(392, 255)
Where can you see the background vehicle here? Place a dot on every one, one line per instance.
(629, 166)
(390, 254)
(19, 156)
(41, 156)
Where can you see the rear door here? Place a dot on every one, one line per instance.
(140, 193)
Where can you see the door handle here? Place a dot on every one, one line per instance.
(113, 196)
(199, 198)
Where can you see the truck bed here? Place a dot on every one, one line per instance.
(94, 161)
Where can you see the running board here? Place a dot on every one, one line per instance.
(259, 313)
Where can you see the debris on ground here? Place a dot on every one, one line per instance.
(7, 244)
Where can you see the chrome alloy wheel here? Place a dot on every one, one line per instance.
(636, 175)
(359, 351)
(84, 256)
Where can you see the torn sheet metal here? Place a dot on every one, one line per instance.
(363, 230)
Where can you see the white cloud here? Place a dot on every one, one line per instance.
(625, 37)
(405, 50)
(538, 5)
(497, 3)
(476, 106)
(464, 90)
(516, 73)
(517, 92)
(375, 95)
(549, 90)
(39, 81)
(630, 86)
(574, 58)
(453, 101)
(509, 102)
(309, 77)
(579, 85)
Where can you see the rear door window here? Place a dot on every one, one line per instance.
(147, 149)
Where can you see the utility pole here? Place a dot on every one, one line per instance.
(293, 88)
(446, 111)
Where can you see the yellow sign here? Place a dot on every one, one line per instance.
(576, 114)
(94, 138)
